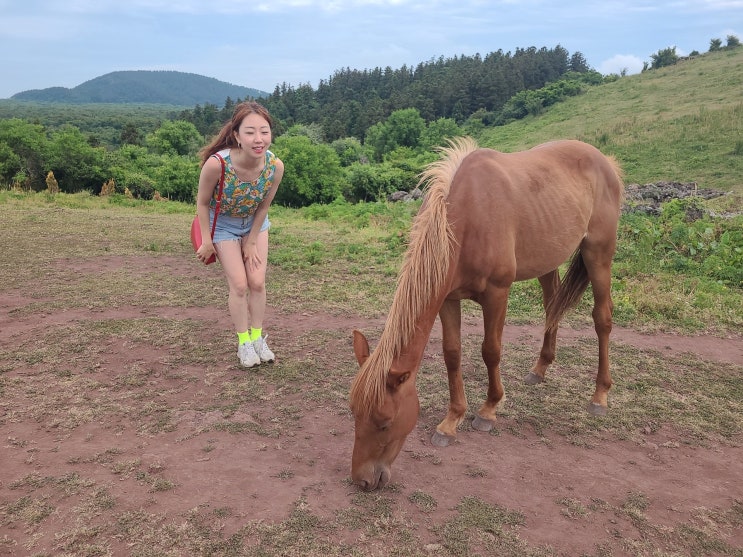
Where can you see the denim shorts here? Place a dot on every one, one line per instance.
(233, 228)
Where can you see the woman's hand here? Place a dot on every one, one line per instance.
(250, 255)
(205, 252)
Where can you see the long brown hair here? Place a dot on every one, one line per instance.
(226, 136)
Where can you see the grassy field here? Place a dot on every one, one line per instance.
(679, 123)
(343, 259)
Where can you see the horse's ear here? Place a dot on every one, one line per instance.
(360, 347)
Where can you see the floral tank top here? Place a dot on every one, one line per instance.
(241, 199)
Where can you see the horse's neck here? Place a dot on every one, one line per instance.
(422, 286)
(410, 353)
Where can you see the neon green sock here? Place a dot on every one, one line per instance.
(243, 337)
(255, 334)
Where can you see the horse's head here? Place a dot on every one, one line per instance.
(381, 429)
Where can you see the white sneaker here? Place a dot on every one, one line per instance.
(248, 357)
(262, 350)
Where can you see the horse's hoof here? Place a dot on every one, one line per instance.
(533, 379)
(441, 440)
(481, 424)
(596, 409)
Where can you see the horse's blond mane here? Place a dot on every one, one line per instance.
(423, 272)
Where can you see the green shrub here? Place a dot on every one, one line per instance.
(683, 239)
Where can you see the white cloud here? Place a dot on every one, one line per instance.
(723, 4)
(240, 6)
(621, 63)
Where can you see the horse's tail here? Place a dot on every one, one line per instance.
(570, 291)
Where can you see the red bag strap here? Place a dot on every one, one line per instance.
(219, 196)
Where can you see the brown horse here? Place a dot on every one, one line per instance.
(488, 219)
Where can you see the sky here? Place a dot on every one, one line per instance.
(264, 43)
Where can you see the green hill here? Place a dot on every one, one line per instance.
(678, 123)
(144, 87)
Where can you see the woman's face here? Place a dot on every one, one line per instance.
(254, 135)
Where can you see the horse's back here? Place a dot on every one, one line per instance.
(528, 211)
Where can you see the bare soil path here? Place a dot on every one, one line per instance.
(574, 500)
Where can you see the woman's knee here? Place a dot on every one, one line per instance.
(256, 284)
(239, 287)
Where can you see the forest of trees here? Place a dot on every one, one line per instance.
(359, 136)
(351, 101)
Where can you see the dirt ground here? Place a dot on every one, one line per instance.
(261, 477)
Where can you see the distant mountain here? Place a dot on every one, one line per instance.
(145, 87)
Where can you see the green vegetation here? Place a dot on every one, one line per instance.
(678, 242)
(670, 273)
(679, 123)
(102, 124)
(693, 138)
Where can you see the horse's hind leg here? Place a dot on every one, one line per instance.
(451, 321)
(550, 283)
(494, 303)
(598, 266)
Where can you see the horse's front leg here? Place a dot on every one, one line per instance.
(494, 303)
(549, 283)
(451, 321)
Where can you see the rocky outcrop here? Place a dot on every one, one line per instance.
(650, 197)
(646, 198)
(416, 193)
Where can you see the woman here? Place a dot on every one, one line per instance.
(252, 176)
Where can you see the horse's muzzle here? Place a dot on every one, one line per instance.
(377, 477)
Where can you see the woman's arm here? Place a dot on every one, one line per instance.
(210, 175)
(250, 252)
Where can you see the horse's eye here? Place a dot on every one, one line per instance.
(383, 426)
